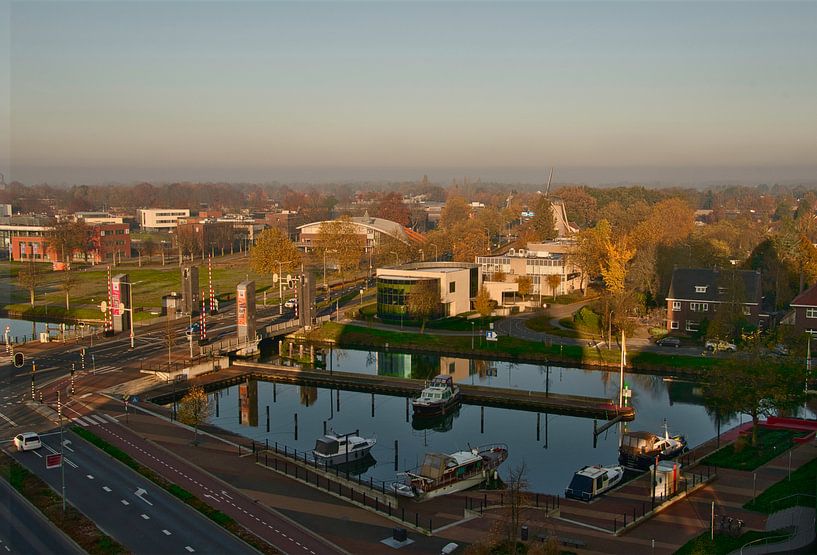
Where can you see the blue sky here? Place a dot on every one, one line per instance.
(261, 91)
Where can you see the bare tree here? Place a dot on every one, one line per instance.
(29, 278)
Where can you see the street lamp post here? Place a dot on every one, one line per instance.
(281, 285)
(435, 252)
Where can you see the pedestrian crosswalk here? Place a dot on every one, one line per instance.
(105, 369)
(93, 420)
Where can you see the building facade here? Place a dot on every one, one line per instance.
(103, 242)
(161, 219)
(538, 261)
(803, 315)
(456, 282)
(369, 231)
(695, 295)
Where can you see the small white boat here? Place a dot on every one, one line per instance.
(336, 449)
(438, 399)
(592, 481)
(641, 449)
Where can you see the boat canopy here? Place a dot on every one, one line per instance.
(638, 441)
(326, 446)
(434, 465)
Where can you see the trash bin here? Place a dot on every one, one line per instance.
(399, 534)
(524, 532)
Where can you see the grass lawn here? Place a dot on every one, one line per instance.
(76, 525)
(151, 282)
(743, 456)
(802, 481)
(724, 543)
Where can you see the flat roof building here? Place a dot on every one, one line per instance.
(161, 219)
(456, 282)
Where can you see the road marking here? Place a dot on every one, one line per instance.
(139, 493)
(97, 419)
(89, 476)
(124, 502)
(80, 422)
(110, 418)
(190, 549)
(107, 489)
(146, 517)
(166, 532)
(86, 395)
(9, 420)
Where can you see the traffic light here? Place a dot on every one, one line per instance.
(19, 359)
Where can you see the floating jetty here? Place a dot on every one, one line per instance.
(518, 399)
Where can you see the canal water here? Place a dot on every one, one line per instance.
(551, 455)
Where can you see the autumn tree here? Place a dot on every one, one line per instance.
(524, 285)
(590, 251)
(339, 242)
(455, 211)
(391, 207)
(469, 240)
(614, 266)
(483, 303)
(150, 247)
(194, 410)
(424, 301)
(543, 224)
(29, 278)
(553, 282)
(273, 246)
(579, 204)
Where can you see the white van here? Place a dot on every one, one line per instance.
(27, 441)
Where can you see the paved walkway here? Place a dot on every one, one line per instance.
(800, 519)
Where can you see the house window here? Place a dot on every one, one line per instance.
(676, 306)
(699, 307)
(700, 288)
(692, 326)
(811, 313)
(811, 331)
(721, 290)
(673, 325)
(747, 311)
(452, 287)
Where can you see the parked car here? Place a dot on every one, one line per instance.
(780, 349)
(669, 342)
(720, 345)
(27, 441)
(291, 303)
(193, 329)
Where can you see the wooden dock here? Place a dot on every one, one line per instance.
(517, 399)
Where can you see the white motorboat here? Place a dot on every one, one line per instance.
(592, 481)
(336, 449)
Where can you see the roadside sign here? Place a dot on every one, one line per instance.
(53, 461)
(490, 336)
(274, 278)
(103, 306)
(19, 359)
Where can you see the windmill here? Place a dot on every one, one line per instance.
(550, 178)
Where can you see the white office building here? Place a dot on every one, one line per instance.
(161, 219)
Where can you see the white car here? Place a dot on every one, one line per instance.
(27, 441)
(291, 303)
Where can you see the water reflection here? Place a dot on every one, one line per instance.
(438, 424)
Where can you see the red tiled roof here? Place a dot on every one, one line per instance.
(806, 298)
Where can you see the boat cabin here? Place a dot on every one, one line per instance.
(639, 443)
(588, 482)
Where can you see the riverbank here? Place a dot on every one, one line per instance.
(506, 348)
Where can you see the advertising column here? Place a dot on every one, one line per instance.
(245, 310)
(120, 307)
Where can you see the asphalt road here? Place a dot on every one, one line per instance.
(24, 529)
(134, 511)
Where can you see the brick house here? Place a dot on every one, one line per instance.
(696, 294)
(803, 315)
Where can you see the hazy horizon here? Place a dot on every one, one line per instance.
(607, 92)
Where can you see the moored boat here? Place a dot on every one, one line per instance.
(592, 481)
(641, 449)
(442, 474)
(440, 397)
(335, 449)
